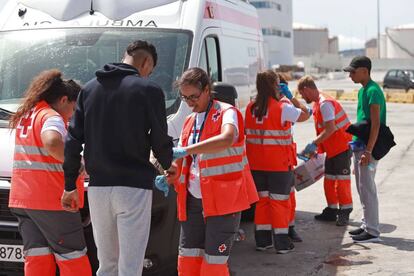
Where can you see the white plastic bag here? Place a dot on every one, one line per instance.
(309, 172)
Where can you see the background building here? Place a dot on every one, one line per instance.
(371, 48)
(276, 21)
(309, 40)
(315, 49)
(399, 42)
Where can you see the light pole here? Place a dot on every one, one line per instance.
(378, 30)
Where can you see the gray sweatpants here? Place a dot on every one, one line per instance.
(121, 218)
(367, 189)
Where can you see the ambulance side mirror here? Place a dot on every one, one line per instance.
(224, 92)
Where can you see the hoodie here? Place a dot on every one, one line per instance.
(119, 118)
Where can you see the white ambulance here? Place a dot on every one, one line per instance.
(80, 36)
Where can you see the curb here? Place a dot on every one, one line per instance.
(391, 95)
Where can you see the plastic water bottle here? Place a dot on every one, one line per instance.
(371, 166)
(240, 235)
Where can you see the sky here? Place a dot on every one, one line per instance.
(353, 21)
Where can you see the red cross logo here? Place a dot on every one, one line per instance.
(216, 115)
(222, 248)
(26, 124)
(299, 177)
(263, 118)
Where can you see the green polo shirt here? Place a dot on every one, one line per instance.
(370, 94)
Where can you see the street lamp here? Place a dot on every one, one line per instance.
(378, 30)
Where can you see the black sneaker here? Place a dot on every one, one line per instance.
(283, 244)
(343, 217)
(328, 214)
(365, 237)
(264, 248)
(286, 250)
(356, 232)
(293, 235)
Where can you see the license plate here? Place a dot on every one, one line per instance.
(11, 253)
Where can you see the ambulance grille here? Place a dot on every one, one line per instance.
(5, 214)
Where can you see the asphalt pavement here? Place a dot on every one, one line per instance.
(327, 249)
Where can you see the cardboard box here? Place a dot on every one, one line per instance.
(309, 172)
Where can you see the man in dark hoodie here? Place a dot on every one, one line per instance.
(120, 116)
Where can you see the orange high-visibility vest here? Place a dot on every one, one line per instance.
(269, 144)
(338, 141)
(226, 183)
(37, 178)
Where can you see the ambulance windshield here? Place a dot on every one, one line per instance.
(78, 53)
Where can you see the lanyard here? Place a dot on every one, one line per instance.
(196, 138)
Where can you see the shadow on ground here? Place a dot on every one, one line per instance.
(322, 252)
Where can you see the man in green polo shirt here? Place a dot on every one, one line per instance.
(371, 106)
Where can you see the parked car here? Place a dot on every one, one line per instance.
(402, 79)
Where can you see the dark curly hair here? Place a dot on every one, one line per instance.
(47, 86)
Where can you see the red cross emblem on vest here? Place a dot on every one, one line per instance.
(25, 123)
(216, 115)
(222, 248)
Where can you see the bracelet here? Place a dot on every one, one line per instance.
(367, 151)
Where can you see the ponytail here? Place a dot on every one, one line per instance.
(266, 83)
(47, 86)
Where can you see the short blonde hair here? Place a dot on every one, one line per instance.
(306, 81)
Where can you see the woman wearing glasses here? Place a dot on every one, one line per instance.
(50, 235)
(213, 182)
(272, 156)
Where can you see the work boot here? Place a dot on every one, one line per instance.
(283, 244)
(328, 214)
(343, 217)
(293, 235)
(263, 239)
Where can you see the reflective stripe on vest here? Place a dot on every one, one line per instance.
(216, 259)
(233, 151)
(183, 172)
(225, 169)
(269, 141)
(343, 123)
(263, 132)
(32, 150)
(337, 117)
(38, 166)
(71, 255)
(278, 196)
(263, 193)
(191, 252)
(38, 251)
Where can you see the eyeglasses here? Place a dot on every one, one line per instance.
(192, 98)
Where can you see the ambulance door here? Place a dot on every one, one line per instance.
(210, 56)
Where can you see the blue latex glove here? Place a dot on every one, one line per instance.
(310, 110)
(162, 185)
(284, 89)
(302, 157)
(310, 149)
(179, 153)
